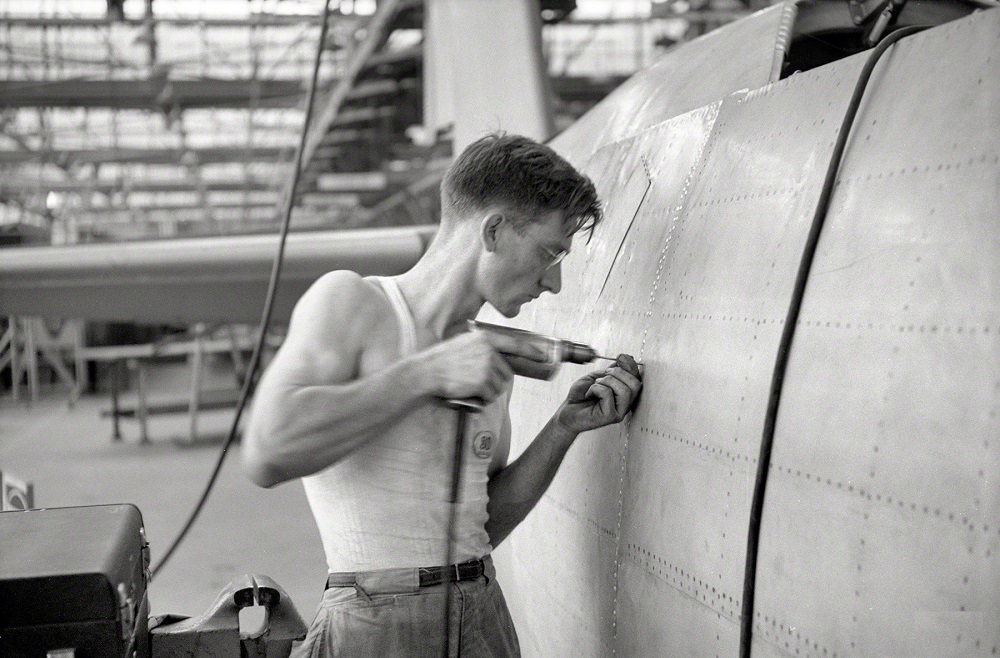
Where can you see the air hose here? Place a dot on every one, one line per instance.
(788, 332)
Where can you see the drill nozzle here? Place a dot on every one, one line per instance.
(581, 353)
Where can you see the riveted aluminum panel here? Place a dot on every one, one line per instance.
(713, 332)
(739, 55)
(697, 287)
(577, 564)
(885, 485)
(638, 548)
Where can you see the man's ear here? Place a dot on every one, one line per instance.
(489, 230)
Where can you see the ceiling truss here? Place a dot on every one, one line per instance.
(157, 125)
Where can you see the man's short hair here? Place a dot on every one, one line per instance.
(525, 177)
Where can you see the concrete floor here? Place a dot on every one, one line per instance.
(68, 454)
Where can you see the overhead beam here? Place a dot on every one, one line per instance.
(150, 94)
(258, 20)
(258, 215)
(158, 93)
(23, 185)
(315, 201)
(335, 184)
(150, 155)
(94, 211)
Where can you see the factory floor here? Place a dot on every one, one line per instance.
(67, 453)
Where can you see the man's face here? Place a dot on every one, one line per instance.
(528, 261)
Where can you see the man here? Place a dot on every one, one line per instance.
(353, 403)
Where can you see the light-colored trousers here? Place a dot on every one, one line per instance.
(357, 623)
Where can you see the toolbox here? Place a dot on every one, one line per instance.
(73, 583)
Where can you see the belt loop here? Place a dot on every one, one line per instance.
(362, 592)
(458, 572)
(487, 565)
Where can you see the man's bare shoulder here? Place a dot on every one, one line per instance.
(342, 297)
(334, 322)
(339, 320)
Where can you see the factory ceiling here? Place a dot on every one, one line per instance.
(165, 118)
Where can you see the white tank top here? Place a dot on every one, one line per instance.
(386, 505)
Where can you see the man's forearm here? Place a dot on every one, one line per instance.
(514, 491)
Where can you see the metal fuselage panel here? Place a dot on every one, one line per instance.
(739, 55)
(880, 531)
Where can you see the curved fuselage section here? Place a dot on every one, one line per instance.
(880, 528)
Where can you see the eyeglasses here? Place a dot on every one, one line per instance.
(555, 257)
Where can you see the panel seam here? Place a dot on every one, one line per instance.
(697, 166)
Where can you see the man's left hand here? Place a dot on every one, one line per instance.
(602, 397)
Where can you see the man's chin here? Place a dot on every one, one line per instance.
(513, 309)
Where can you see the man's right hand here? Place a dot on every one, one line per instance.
(472, 365)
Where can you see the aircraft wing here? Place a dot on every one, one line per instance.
(219, 279)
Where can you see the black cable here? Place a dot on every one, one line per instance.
(461, 421)
(265, 320)
(787, 334)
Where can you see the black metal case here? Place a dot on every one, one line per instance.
(73, 578)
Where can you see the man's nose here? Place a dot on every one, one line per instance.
(552, 279)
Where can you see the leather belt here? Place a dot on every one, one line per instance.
(453, 573)
(426, 576)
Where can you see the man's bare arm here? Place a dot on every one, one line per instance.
(315, 405)
(310, 408)
(516, 489)
(601, 398)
